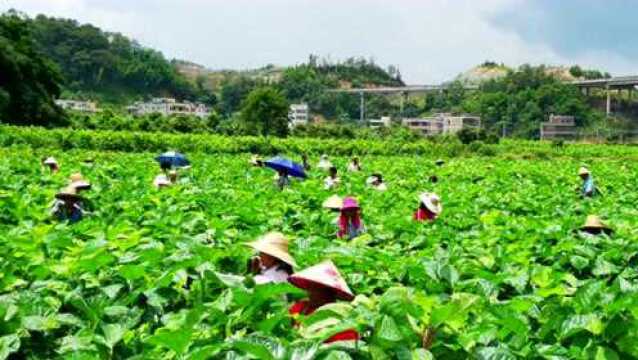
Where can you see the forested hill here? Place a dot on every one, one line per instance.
(104, 65)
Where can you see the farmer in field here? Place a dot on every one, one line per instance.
(588, 189)
(165, 179)
(324, 163)
(68, 205)
(283, 180)
(256, 161)
(595, 226)
(78, 182)
(350, 223)
(51, 163)
(354, 165)
(273, 264)
(324, 285)
(332, 180)
(375, 181)
(429, 207)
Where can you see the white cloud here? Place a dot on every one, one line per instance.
(430, 40)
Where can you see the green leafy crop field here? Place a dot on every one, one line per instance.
(162, 273)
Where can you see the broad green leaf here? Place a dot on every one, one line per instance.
(9, 344)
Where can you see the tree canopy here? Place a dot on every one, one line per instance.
(29, 81)
(265, 112)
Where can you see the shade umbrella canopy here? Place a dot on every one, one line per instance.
(173, 158)
(292, 168)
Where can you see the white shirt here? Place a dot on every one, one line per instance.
(329, 182)
(354, 167)
(380, 187)
(324, 164)
(161, 180)
(273, 275)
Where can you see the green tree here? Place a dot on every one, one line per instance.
(29, 82)
(265, 112)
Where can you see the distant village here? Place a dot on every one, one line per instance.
(558, 127)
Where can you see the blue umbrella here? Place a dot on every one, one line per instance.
(293, 169)
(173, 158)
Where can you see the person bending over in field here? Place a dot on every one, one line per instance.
(165, 180)
(324, 285)
(51, 164)
(256, 161)
(595, 226)
(354, 165)
(375, 181)
(332, 180)
(283, 180)
(324, 163)
(429, 207)
(68, 205)
(588, 189)
(273, 264)
(350, 223)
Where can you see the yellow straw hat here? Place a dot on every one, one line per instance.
(78, 182)
(594, 222)
(583, 171)
(335, 202)
(274, 244)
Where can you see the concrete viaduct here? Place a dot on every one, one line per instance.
(619, 83)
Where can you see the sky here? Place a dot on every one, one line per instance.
(431, 41)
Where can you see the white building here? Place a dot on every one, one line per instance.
(77, 105)
(385, 121)
(443, 124)
(298, 114)
(558, 127)
(168, 106)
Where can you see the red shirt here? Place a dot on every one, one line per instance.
(301, 307)
(423, 215)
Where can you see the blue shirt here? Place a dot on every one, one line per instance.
(588, 187)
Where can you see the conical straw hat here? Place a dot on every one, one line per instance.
(50, 161)
(324, 274)
(274, 244)
(349, 203)
(594, 222)
(583, 171)
(78, 182)
(432, 202)
(335, 202)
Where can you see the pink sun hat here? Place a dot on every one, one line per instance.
(324, 275)
(350, 203)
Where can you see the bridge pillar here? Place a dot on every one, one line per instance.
(362, 106)
(608, 107)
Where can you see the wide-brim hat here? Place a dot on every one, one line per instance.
(335, 202)
(274, 244)
(432, 202)
(349, 203)
(594, 222)
(324, 275)
(68, 193)
(78, 182)
(256, 159)
(583, 171)
(50, 161)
